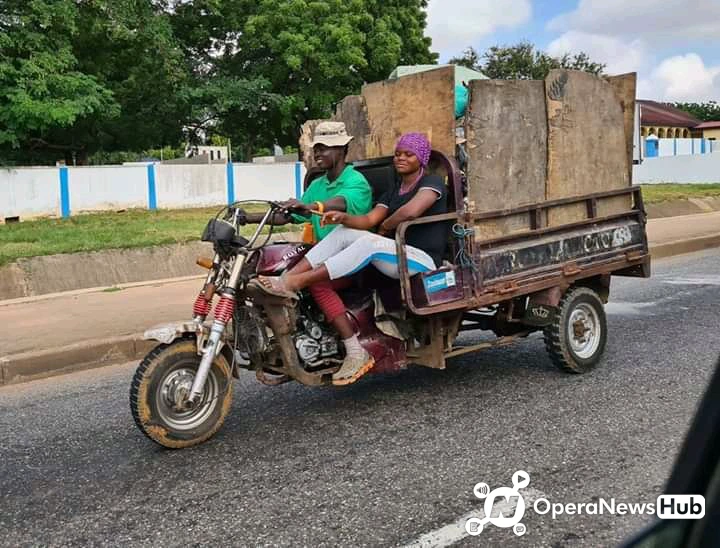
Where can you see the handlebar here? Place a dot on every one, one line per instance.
(290, 209)
(239, 216)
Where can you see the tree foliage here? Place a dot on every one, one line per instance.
(42, 88)
(88, 77)
(523, 62)
(707, 112)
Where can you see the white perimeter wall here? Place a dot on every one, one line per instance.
(107, 188)
(181, 186)
(680, 147)
(29, 192)
(703, 168)
(35, 192)
(265, 182)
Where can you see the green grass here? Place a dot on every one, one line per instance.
(97, 231)
(141, 228)
(653, 194)
(113, 289)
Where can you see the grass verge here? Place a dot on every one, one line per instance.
(653, 194)
(142, 228)
(109, 230)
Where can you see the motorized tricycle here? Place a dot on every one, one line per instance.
(550, 279)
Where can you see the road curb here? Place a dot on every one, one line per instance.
(27, 366)
(680, 247)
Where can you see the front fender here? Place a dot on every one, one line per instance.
(166, 333)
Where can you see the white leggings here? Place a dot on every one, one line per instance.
(345, 251)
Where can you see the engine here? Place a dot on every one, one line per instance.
(250, 333)
(314, 343)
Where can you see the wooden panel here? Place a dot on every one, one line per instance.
(305, 142)
(625, 86)
(495, 228)
(587, 148)
(352, 111)
(423, 102)
(506, 130)
(571, 213)
(616, 204)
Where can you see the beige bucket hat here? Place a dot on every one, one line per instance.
(331, 134)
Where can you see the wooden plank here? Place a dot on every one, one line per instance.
(616, 204)
(489, 229)
(506, 130)
(305, 142)
(587, 148)
(352, 111)
(423, 102)
(625, 86)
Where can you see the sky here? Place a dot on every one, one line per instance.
(673, 45)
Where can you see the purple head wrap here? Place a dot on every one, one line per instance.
(416, 143)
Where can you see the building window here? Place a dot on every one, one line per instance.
(661, 133)
(686, 134)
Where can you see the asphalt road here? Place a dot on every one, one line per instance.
(383, 462)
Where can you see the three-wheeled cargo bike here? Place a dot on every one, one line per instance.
(552, 275)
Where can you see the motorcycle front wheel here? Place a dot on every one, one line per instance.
(160, 387)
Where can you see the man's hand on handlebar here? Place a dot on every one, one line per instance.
(296, 206)
(241, 217)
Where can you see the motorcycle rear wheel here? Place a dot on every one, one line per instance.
(160, 380)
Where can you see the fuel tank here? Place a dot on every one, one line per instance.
(278, 257)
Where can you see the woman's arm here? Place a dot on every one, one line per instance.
(415, 208)
(361, 222)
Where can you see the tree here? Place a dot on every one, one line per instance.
(470, 58)
(707, 112)
(129, 46)
(299, 56)
(41, 88)
(77, 76)
(315, 53)
(91, 77)
(523, 62)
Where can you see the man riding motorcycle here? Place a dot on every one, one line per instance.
(340, 189)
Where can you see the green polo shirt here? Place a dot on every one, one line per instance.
(351, 185)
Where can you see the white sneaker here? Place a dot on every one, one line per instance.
(353, 368)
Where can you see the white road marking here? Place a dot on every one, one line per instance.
(699, 280)
(628, 309)
(455, 531)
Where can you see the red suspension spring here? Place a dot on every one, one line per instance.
(224, 309)
(202, 306)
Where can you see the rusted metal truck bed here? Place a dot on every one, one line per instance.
(529, 261)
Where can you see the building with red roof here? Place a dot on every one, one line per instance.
(667, 122)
